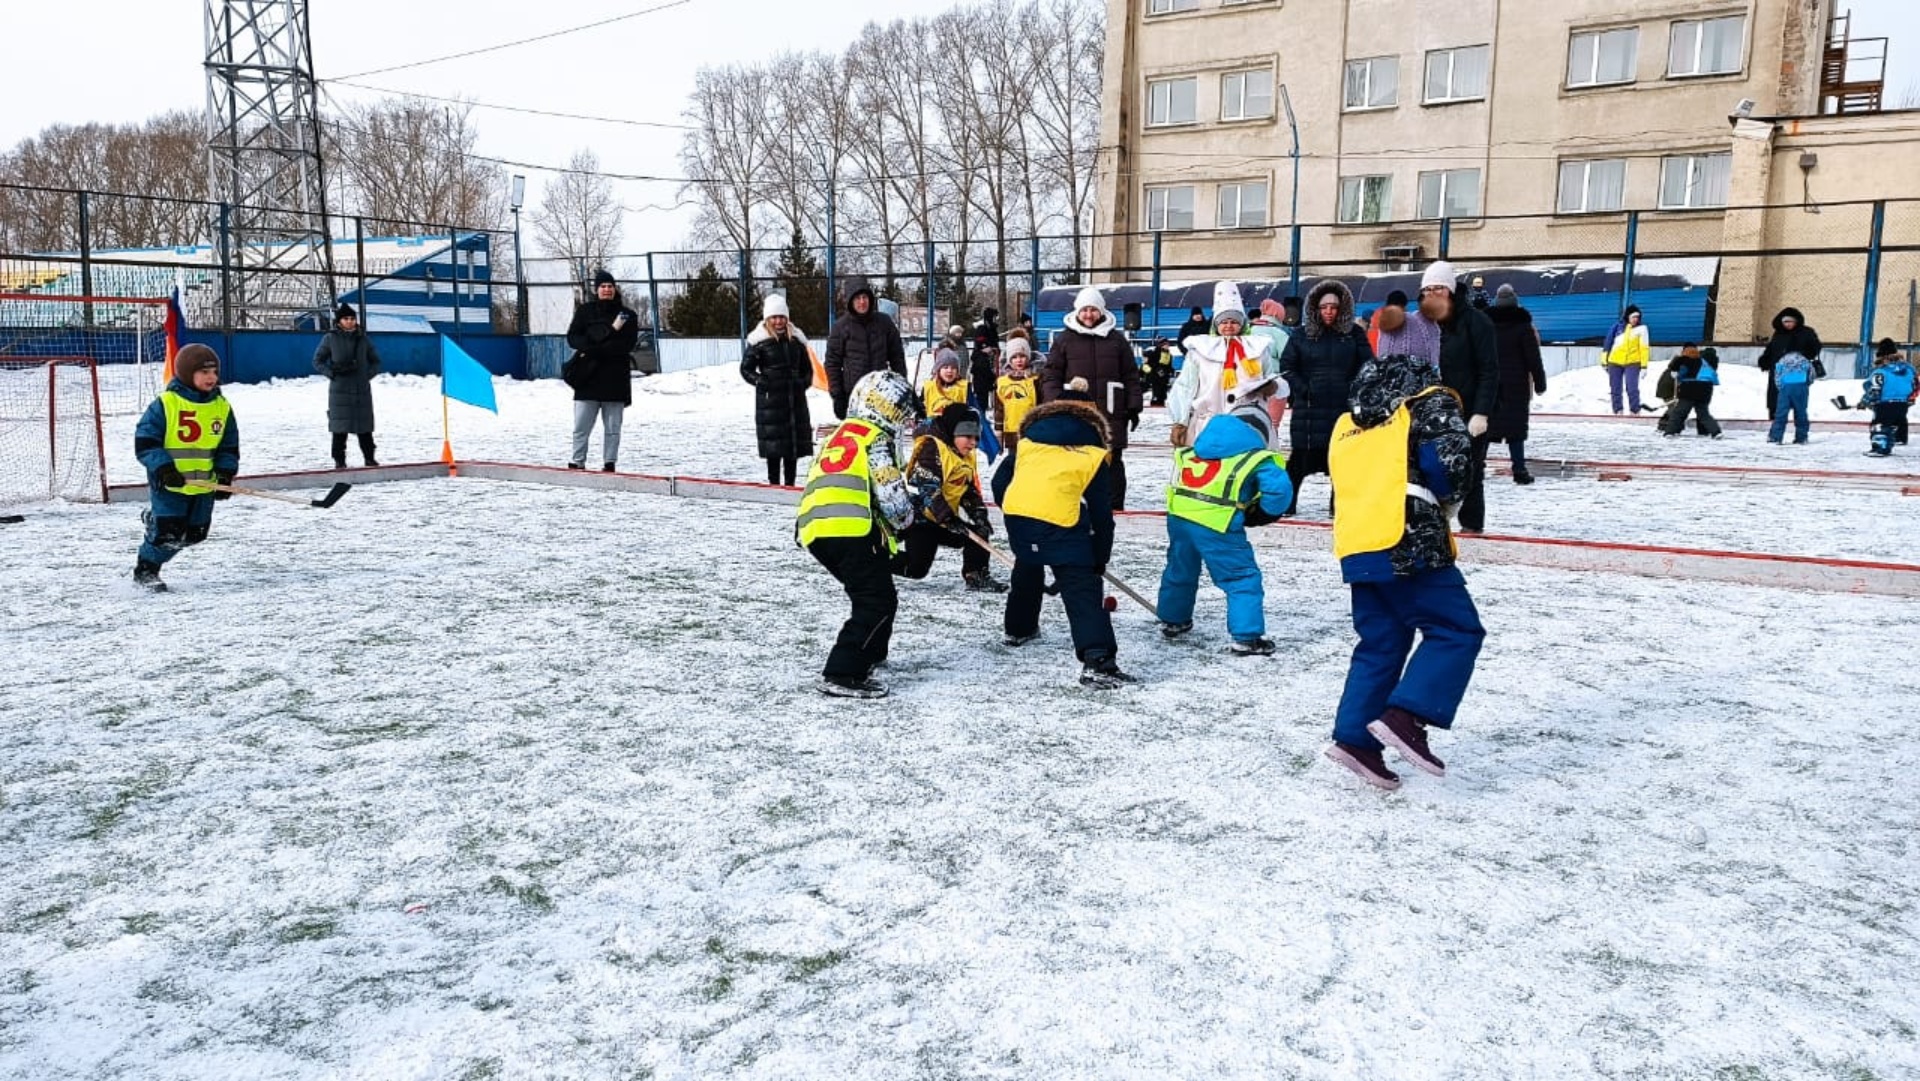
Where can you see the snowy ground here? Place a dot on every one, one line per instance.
(1667, 849)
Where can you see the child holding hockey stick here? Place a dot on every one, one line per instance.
(188, 441)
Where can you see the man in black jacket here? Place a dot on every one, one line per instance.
(602, 335)
(1791, 334)
(865, 341)
(1470, 367)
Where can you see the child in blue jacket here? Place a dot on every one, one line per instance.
(188, 441)
(1889, 391)
(1228, 480)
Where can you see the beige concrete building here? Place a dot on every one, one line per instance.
(1535, 128)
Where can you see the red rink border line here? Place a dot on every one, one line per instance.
(1821, 574)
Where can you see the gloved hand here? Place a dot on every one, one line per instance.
(222, 478)
(343, 367)
(170, 476)
(955, 526)
(1133, 423)
(1477, 426)
(1179, 435)
(1257, 516)
(982, 525)
(839, 409)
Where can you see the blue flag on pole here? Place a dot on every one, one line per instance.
(463, 379)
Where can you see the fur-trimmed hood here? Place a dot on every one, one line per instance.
(1083, 411)
(1310, 318)
(761, 334)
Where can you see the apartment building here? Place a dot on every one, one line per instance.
(1533, 127)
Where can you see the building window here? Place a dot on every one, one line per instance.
(1608, 56)
(1707, 47)
(1453, 193)
(1365, 200)
(1695, 180)
(1373, 83)
(1164, 7)
(1588, 187)
(1243, 206)
(1246, 95)
(1171, 101)
(1457, 74)
(1169, 209)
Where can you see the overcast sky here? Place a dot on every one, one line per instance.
(143, 56)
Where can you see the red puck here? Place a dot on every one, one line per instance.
(1111, 604)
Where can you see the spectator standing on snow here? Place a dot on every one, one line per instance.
(1156, 371)
(1195, 325)
(1793, 378)
(1401, 462)
(985, 368)
(1401, 331)
(864, 342)
(1470, 367)
(1889, 390)
(349, 361)
(1522, 375)
(1319, 365)
(1791, 337)
(1625, 354)
(1695, 373)
(1093, 348)
(602, 335)
(780, 368)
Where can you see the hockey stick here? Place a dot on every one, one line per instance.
(333, 495)
(12, 519)
(1111, 580)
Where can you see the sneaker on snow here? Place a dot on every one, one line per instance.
(839, 687)
(1175, 630)
(984, 583)
(1104, 675)
(1019, 639)
(147, 576)
(1252, 647)
(1367, 764)
(1407, 734)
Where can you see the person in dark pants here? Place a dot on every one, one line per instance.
(1791, 337)
(865, 341)
(603, 333)
(1319, 364)
(1889, 391)
(947, 490)
(347, 358)
(1522, 375)
(855, 504)
(188, 442)
(1695, 373)
(1053, 491)
(780, 368)
(1470, 367)
(1093, 348)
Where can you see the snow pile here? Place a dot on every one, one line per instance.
(1742, 393)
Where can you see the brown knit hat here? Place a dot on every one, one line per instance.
(192, 358)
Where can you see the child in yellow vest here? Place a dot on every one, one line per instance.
(1016, 392)
(946, 387)
(947, 489)
(188, 441)
(1401, 462)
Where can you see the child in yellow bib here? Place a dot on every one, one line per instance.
(1401, 461)
(189, 444)
(1016, 392)
(946, 387)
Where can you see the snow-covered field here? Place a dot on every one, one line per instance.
(468, 779)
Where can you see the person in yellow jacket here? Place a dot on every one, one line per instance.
(852, 511)
(1401, 462)
(188, 441)
(946, 487)
(1016, 392)
(1627, 353)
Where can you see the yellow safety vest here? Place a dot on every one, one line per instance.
(838, 500)
(956, 472)
(936, 397)
(1205, 491)
(1049, 482)
(1016, 398)
(1370, 481)
(194, 431)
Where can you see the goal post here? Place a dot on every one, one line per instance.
(74, 372)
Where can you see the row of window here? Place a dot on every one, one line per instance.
(1597, 58)
(1687, 182)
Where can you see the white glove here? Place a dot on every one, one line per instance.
(1477, 427)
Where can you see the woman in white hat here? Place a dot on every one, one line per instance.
(1215, 366)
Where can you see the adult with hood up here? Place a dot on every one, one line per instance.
(1522, 375)
(1401, 462)
(602, 335)
(984, 368)
(1470, 367)
(1626, 353)
(349, 361)
(1096, 350)
(865, 341)
(1195, 325)
(1217, 365)
(1791, 337)
(1319, 365)
(780, 368)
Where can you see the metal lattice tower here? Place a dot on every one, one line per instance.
(264, 161)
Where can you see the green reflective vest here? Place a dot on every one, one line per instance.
(1205, 491)
(838, 500)
(194, 431)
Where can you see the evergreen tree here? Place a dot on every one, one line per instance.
(800, 276)
(710, 307)
(950, 292)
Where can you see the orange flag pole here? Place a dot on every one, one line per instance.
(446, 435)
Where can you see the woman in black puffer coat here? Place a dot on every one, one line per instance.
(1319, 364)
(779, 367)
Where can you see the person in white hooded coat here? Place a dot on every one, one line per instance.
(1217, 364)
(1094, 349)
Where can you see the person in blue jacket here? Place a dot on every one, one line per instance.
(189, 441)
(1227, 481)
(1889, 390)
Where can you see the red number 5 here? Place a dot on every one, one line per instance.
(1208, 471)
(189, 431)
(841, 449)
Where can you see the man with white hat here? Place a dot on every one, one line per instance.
(1470, 367)
(1096, 350)
(1215, 366)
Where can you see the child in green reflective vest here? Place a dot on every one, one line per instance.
(188, 441)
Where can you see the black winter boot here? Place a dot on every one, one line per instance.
(147, 576)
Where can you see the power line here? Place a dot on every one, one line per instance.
(512, 108)
(517, 42)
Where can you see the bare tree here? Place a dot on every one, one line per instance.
(578, 218)
(410, 161)
(160, 165)
(728, 149)
(1066, 51)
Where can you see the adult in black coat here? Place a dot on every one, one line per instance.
(1522, 375)
(1791, 334)
(780, 368)
(1195, 325)
(866, 340)
(1470, 367)
(349, 361)
(1319, 364)
(603, 333)
(1093, 348)
(984, 369)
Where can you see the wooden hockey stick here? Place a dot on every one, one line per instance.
(333, 495)
(1111, 580)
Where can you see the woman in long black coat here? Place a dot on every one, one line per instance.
(1319, 363)
(780, 368)
(1522, 375)
(347, 358)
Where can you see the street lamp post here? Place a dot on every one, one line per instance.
(1293, 214)
(516, 199)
